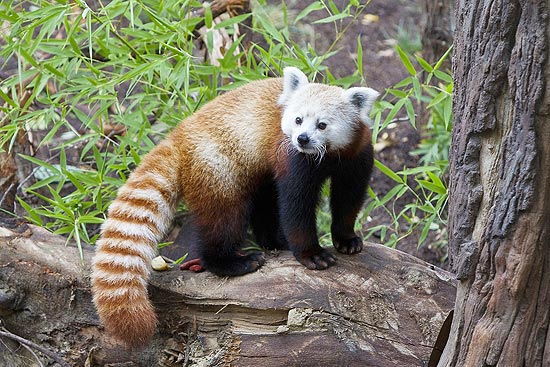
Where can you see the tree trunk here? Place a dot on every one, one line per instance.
(378, 308)
(500, 185)
(439, 29)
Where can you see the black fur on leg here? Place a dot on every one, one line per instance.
(299, 191)
(221, 232)
(233, 264)
(348, 191)
(264, 218)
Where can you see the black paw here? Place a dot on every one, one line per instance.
(316, 260)
(238, 263)
(349, 246)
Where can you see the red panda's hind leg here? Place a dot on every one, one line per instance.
(233, 263)
(264, 218)
(222, 231)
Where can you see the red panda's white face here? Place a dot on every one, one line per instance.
(318, 118)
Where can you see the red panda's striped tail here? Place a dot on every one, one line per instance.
(137, 220)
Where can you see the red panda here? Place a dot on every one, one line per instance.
(256, 156)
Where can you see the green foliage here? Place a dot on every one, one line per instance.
(431, 87)
(133, 67)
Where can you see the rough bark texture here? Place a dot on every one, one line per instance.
(500, 185)
(379, 308)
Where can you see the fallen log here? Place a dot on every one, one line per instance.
(378, 308)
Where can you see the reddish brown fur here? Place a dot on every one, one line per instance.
(130, 317)
(215, 159)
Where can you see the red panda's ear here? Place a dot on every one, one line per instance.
(362, 99)
(293, 79)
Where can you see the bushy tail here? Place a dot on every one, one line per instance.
(138, 218)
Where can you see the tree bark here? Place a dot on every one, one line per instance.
(378, 308)
(439, 29)
(499, 202)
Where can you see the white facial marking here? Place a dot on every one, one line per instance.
(325, 120)
(318, 118)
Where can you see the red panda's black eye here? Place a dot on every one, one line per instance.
(321, 126)
(298, 120)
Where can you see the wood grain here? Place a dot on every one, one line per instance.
(379, 308)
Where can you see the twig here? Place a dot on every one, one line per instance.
(28, 343)
(33, 353)
(399, 119)
(6, 194)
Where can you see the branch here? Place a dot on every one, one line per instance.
(28, 343)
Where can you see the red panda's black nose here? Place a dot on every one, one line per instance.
(303, 139)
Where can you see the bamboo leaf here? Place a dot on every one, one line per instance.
(425, 65)
(406, 61)
(410, 112)
(432, 187)
(387, 171)
(315, 6)
(332, 18)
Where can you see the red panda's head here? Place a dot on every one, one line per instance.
(318, 118)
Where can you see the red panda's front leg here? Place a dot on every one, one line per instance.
(348, 190)
(298, 191)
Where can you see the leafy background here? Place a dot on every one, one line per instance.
(89, 87)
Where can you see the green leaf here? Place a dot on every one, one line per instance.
(397, 92)
(443, 76)
(403, 83)
(6, 98)
(332, 6)
(315, 6)
(396, 108)
(417, 89)
(438, 98)
(207, 16)
(90, 219)
(432, 187)
(417, 170)
(443, 58)
(271, 30)
(425, 230)
(448, 111)
(391, 194)
(425, 65)
(406, 61)
(410, 112)
(359, 56)
(231, 21)
(33, 215)
(332, 18)
(435, 179)
(387, 171)
(40, 163)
